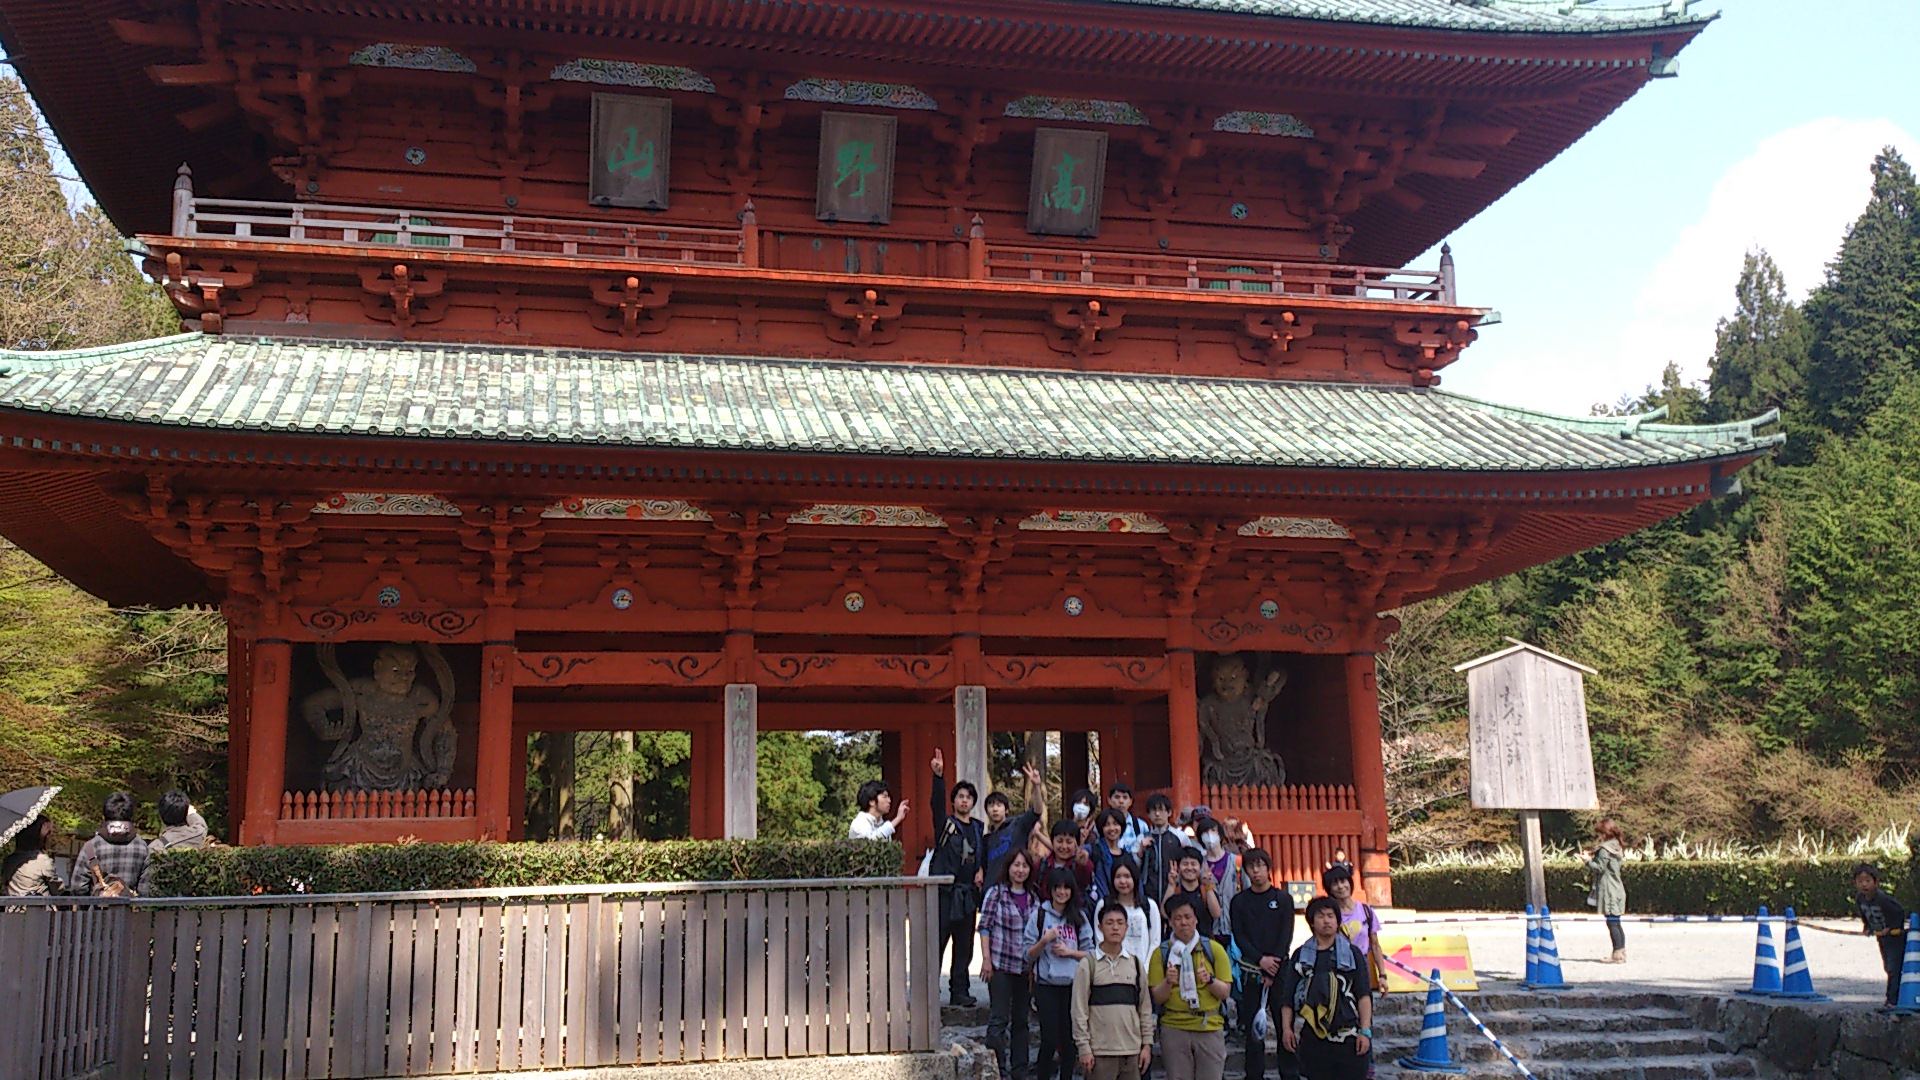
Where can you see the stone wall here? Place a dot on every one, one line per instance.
(1817, 1040)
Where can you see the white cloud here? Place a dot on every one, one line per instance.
(1794, 196)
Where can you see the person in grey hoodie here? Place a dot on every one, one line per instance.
(114, 856)
(185, 828)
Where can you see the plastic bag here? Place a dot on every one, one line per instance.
(926, 864)
(1262, 1024)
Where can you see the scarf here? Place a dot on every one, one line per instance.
(1182, 954)
(1324, 1001)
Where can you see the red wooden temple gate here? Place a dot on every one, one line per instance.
(734, 367)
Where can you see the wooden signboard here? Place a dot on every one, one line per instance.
(1527, 730)
(632, 137)
(856, 168)
(1069, 173)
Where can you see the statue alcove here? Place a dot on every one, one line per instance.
(1307, 724)
(307, 753)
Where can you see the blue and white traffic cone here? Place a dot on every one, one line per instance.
(1433, 1055)
(1533, 948)
(1796, 982)
(1546, 975)
(1766, 961)
(1909, 999)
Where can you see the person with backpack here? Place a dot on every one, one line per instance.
(1005, 834)
(1262, 919)
(113, 860)
(1120, 800)
(1004, 913)
(1058, 937)
(1189, 977)
(1358, 922)
(956, 853)
(1112, 1009)
(1325, 987)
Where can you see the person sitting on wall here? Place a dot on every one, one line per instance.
(113, 860)
(956, 854)
(871, 823)
(1005, 835)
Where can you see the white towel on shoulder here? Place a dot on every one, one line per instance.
(1182, 954)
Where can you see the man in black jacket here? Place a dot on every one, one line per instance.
(1262, 919)
(957, 851)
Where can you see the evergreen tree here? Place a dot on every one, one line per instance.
(1760, 351)
(1866, 317)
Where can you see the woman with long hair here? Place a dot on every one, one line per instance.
(1004, 911)
(1143, 915)
(1058, 937)
(1609, 895)
(29, 871)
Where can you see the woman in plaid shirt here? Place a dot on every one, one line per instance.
(1003, 960)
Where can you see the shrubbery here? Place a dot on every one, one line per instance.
(368, 868)
(1812, 886)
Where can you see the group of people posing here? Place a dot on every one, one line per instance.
(1113, 929)
(115, 860)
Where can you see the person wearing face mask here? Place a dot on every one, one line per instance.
(1084, 805)
(1220, 865)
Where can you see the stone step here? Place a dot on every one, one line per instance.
(1518, 1022)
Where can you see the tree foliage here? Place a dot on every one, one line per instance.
(1759, 658)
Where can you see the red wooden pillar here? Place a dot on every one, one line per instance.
(1183, 729)
(266, 772)
(1075, 769)
(493, 758)
(239, 729)
(1369, 778)
(1117, 762)
(707, 784)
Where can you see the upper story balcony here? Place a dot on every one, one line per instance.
(870, 293)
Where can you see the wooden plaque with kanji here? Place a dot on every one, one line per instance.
(856, 168)
(1069, 172)
(632, 137)
(1527, 731)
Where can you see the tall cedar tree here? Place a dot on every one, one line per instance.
(1760, 351)
(1866, 317)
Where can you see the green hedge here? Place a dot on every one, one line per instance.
(358, 868)
(1817, 886)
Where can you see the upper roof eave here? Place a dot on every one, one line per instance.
(1580, 17)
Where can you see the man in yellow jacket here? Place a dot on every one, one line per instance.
(1188, 977)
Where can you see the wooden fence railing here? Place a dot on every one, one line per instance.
(356, 805)
(413, 984)
(1303, 825)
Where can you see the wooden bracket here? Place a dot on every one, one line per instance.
(403, 296)
(1265, 339)
(1084, 327)
(864, 317)
(1429, 344)
(208, 291)
(630, 307)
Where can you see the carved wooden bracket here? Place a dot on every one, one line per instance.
(209, 291)
(402, 295)
(630, 307)
(863, 318)
(1084, 327)
(505, 91)
(1429, 344)
(508, 538)
(971, 127)
(1265, 339)
(743, 539)
(746, 105)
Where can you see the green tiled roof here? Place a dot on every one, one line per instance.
(1509, 16)
(529, 395)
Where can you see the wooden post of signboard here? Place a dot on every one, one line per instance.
(1528, 742)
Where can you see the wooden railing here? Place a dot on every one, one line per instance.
(412, 984)
(794, 248)
(60, 995)
(1303, 826)
(362, 805)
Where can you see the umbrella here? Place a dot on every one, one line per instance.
(17, 808)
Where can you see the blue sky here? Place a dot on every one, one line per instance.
(1620, 255)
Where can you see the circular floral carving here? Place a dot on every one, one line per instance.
(1269, 609)
(854, 601)
(389, 597)
(1074, 605)
(416, 156)
(623, 598)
